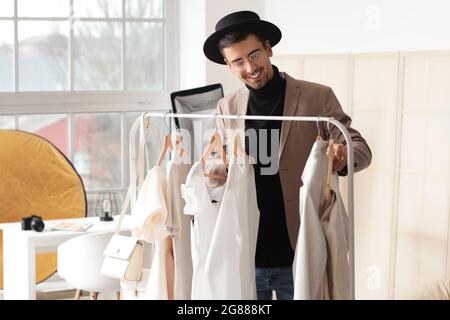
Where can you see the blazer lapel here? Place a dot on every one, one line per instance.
(242, 107)
(291, 102)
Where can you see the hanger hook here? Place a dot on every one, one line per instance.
(318, 128)
(328, 126)
(215, 120)
(146, 121)
(236, 122)
(177, 129)
(165, 123)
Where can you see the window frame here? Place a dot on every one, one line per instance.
(16, 103)
(72, 110)
(170, 44)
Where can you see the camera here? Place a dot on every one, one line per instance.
(33, 223)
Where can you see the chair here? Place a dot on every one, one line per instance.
(201, 100)
(79, 263)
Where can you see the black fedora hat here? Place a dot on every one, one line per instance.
(234, 21)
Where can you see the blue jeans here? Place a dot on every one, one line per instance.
(278, 279)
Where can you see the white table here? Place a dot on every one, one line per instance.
(20, 249)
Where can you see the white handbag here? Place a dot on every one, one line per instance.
(135, 290)
(124, 255)
(124, 258)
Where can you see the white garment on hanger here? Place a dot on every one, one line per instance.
(150, 215)
(150, 211)
(160, 279)
(180, 224)
(224, 232)
(335, 225)
(320, 267)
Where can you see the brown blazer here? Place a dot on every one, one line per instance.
(302, 98)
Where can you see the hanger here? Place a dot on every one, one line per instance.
(330, 152)
(237, 146)
(167, 144)
(214, 143)
(179, 144)
(146, 132)
(319, 137)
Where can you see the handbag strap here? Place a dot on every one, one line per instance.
(136, 171)
(126, 202)
(141, 153)
(137, 162)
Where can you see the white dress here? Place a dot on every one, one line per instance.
(180, 224)
(150, 211)
(224, 232)
(320, 265)
(150, 215)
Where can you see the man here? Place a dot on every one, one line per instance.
(244, 42)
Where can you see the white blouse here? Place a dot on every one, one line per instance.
(224, 232)
(150, 215)
(180, 225)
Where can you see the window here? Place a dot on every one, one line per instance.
(6, 55)
(79, 45)
(80, 72)
(96, 143)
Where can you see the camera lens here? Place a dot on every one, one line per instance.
(37, 224)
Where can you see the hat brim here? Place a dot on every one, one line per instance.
(210, 47)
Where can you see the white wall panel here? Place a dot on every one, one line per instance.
(439, 84)
(422, 251)
(400, 102)
(427, 83)
(420, 261)
(330, 71)
(375, 82)
(413, 144)
(372, 262)
(423, 206)
(373, 199)
(379, 139)
(438, 144)
(415, 83)
(293, 65)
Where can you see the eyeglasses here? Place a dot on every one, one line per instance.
(254, 58)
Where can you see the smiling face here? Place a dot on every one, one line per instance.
(249, 60)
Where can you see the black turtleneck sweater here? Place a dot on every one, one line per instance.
(273, 248)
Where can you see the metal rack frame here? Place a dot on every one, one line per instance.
(350, 156)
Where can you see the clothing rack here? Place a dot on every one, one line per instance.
(350, 156)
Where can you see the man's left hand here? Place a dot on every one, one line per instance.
(340, 156)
